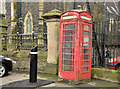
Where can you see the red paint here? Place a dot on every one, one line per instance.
(111, 67)
(75, 49)
(113, 62)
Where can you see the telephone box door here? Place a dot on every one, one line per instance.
(86, 49)
(67, 53)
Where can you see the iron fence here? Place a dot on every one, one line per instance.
(26, 41)
(106, 42)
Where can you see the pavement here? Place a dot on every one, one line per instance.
(13, 77)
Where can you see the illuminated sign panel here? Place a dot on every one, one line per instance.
(70, 17)
(86, 18)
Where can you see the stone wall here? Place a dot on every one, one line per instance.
(106, 74)
(48, 6)
(33, 7)
(22, 61)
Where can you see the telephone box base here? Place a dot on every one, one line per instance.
(73, 81)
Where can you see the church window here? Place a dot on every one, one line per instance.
(28, 23)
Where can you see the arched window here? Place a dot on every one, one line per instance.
(28, 23)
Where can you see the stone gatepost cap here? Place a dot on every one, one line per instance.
(52, 14)
(3, 21)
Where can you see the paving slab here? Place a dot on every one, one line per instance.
(21, 76)
(26, 83)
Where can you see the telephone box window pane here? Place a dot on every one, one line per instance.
(66, 56)
(86, 39)
(68, 38)
(85, 33)
(86, 45)
(69, 26)
(66, 62)
(68, 50)
(67, 44)
(86, 27)
(85, 69)
(86, 63)
(86, 57)
(86, 51)
(67, 68)
(72, 32)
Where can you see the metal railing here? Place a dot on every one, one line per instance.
(106, 43)
(26, 41)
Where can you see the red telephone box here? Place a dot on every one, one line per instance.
(75, 47)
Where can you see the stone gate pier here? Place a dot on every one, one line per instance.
(52, 20)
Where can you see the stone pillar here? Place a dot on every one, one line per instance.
(14, 17)
(52, 21)
(3, 31)
(0, 40)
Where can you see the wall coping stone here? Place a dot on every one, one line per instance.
(106, 74)
(53, 20)
(52, 14)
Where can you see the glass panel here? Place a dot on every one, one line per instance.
(66, 50)
(66, 56)
(85, 69)
(70, 17)
(30, 25)
(86, 18)
(86, 45)
(86, 39)
(67, 44)
(27, 26)
(86, 27)
(69, 26)
(66, 62)
(86, 51)
(85, 33)
(86, 57)
(86, 63)
(72, 32)
(66, 68)
(68, 38)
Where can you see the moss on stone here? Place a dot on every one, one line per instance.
(105, 74)
(22, 54)
(50, 69)
(48, 76)
(42, 56)
(54, 12)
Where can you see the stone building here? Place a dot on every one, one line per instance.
(31, 13)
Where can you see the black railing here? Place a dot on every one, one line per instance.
(109, 37)
(26, 41)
